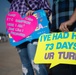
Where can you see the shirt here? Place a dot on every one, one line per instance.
(22, 7)
(61, 12)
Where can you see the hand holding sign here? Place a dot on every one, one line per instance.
(18, 27)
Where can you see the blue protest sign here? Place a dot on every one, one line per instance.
(40, 29)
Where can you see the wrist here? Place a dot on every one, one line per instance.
(70, 22)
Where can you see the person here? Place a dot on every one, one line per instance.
(64, 26)
(27, 50)
(61, 12)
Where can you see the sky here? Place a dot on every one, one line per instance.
(4, 7)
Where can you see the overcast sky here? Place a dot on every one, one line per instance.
(4, 6)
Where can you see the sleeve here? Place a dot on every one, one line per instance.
(46, 6)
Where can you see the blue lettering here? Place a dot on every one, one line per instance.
(54, 36)
(49, 46)
(60, 36)
(59, 44)
(65, 45)
(73, 35)
(45, 38)
(66, 35)
(74, 46)
(70, 45)
(40, 39)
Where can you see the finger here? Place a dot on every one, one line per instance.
(31, 12)
(66, 28)
(63, 27)
(27, 14)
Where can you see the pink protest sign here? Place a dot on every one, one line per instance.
(18, 27)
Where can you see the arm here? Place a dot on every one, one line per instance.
(73, 17)
(64, 25)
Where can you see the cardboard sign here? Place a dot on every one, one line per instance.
(18, 27)
(22, 29)
(56, 48)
